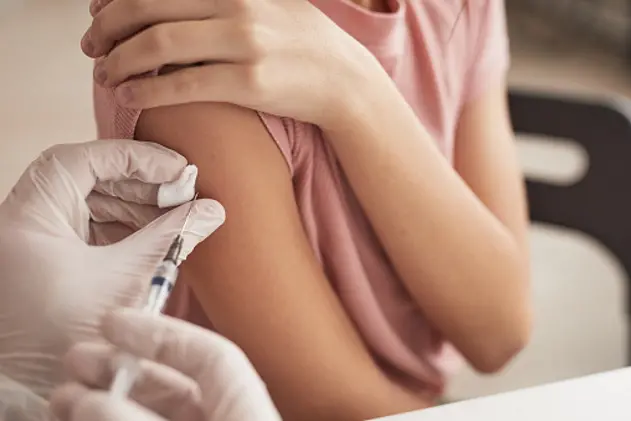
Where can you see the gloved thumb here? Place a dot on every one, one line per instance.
(205, 217)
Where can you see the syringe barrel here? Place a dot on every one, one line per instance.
(128, 366)
(166, 273)
(161, 285)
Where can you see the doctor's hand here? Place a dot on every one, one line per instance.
(57, 283)
(188, 374)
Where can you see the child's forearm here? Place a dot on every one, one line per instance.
(464, 268)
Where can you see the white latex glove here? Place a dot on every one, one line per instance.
(18, 403)
(56, 285)
(189, 374)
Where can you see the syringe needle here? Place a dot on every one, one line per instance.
(188, 214)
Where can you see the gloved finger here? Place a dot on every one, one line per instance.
(20, 403)
(175, 343)
(130, 191)
(205, 217)
(164, 195)
(89, 363)
(104, 234)
(47, 199)
(162, 389)
(64, 398)
(202, 355)
(73, 402)
(117, 160)
(111, 209)
(54, 187)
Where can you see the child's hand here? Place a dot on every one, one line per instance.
(283, 57)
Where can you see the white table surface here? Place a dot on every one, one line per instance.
(601, 397)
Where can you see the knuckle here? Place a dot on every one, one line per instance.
(164, 342)
(230, 348)
(138, 93)
(96, 6)
(54, 151)
(223, 350)
(65, 154)
(158, 40)
(242, 7)
(112, 63)
(140, 7)
(254, 39)
(230, 355)
(206, 5)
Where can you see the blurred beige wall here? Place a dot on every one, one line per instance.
(45, 84)
(45, 99)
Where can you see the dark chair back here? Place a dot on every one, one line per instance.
(600, 203)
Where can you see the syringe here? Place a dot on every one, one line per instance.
(162, 283)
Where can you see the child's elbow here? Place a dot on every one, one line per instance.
(500, 349)
(508, 325)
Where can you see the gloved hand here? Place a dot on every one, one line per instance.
(189, 374)
(56, 284)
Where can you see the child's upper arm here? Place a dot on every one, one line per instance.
(489, 54)
(257, 278)
(485, 153)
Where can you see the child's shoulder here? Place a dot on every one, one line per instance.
(465, 42)
(486, 16)
(470, 24)
(469, 15)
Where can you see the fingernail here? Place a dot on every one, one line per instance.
(209, 216)
(95, 7)
(86, 43)
(215, 209)
(100, 74)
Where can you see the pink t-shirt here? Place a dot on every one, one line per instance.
(438, 67)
